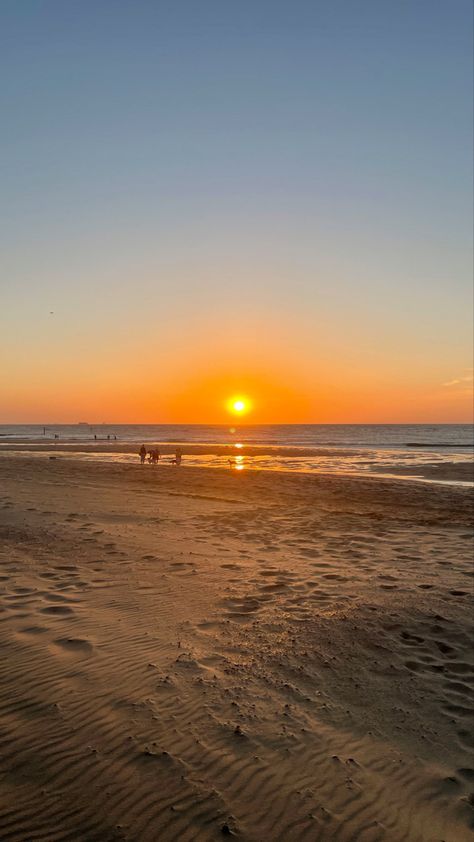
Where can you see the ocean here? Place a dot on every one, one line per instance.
(455, 437)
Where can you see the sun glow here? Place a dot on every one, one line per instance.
(238, 405)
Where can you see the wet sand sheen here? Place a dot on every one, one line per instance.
(196, 653)
(443, 466)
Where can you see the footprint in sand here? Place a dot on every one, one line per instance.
(443, 647)
(275, 587)
(209, 625)
(33, 630)
(74, 645)
(309, 553)
(240, 608)
(414, 666)
(56, 597)
(411, 639)
(180, 566)
(320, 596)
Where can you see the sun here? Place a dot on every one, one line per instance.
(238, 405)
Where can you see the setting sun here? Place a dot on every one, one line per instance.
(238, 405)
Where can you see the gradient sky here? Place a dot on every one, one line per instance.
(207, 198)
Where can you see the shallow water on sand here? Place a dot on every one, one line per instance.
(421, 465)
(432, 453)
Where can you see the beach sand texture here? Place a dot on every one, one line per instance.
(189, 654)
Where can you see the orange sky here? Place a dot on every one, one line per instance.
(190, 381)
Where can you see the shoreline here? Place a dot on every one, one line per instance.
(269, 458)
(128, 446)
(215, 449)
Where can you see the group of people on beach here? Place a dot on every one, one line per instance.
(154, 456)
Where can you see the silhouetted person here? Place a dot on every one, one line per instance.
(177, 459)
(142, 453)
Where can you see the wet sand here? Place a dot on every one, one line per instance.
(441, 472)
(452, 469)
(192, 653)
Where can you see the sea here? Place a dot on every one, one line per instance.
(453, 436)
(351, 448)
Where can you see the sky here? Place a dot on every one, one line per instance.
(264, 199)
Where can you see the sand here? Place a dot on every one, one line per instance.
(191, 653)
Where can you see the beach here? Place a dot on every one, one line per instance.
(236, 426)
(191, 653)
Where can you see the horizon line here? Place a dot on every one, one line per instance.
(222, 424)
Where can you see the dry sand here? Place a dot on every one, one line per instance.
(189, 653)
